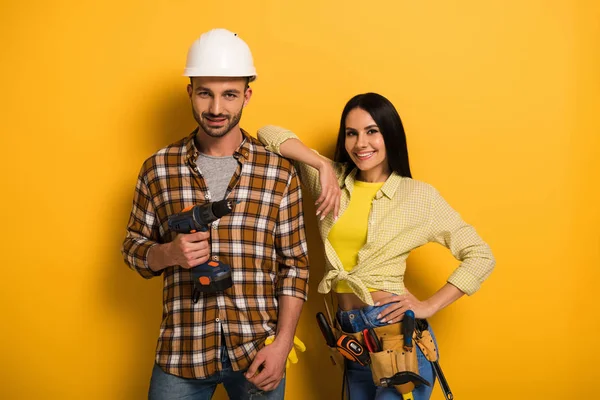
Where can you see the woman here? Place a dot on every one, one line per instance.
(383, 215)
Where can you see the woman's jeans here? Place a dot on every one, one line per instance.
(359, 378)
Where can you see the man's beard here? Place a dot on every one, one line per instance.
(220, 131)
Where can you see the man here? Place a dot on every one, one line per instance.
(220, 338)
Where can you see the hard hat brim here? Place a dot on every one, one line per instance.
(193, 72)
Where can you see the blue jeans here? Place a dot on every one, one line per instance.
(359, 378)
(165, 386)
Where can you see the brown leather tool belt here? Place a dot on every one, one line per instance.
(393, 357)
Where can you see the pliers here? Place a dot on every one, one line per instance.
(372, 341)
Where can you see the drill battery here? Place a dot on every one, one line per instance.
(211, 277)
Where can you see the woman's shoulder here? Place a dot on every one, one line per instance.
(413, 189)
(416, 185)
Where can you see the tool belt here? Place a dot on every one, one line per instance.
(393, 358)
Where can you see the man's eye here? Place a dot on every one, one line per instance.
(203, 94)
(230, 96)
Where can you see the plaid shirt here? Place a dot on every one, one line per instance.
(263, 241)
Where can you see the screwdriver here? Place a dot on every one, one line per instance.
(408, 327)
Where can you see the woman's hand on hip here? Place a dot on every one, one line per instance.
(399, 304)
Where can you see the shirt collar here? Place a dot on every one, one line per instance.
(244, 150)
(388, 189)
(391, 185)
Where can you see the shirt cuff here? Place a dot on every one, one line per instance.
(293, 287)
(464, 281)
(141, 264)
(273, 136)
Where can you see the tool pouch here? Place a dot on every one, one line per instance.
(393, 359)
(427, 346)
(425, 341)
(336, 358)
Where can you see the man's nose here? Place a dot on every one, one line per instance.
(215, 106)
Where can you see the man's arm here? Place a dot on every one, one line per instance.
(290, 243)
(291, 290)
(274, 356)
(287, 320)
(141, 249)
(142, 231)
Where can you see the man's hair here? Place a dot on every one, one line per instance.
(388, 120)
(246, 88)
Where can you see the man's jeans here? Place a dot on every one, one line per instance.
(359, 378)
(164, 386)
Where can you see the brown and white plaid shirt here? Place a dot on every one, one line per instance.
(263, 240)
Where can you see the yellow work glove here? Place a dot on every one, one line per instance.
(292, 357)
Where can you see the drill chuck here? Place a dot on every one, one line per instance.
(197, 218)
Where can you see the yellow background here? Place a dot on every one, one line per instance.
(498, 100)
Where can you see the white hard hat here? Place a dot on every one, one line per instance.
(220, 53)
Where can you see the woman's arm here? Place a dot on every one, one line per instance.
(447, 228)
(447, 295)
(316, 172)
(329, 198)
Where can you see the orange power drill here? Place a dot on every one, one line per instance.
(212, 276)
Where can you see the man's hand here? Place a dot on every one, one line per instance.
(292, 356)
(189, 250)
(329, 200)
(272, 358)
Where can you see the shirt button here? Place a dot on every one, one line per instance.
(217, 320)
(214, 226)
(215, 258)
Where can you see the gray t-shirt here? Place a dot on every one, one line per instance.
(217, 172)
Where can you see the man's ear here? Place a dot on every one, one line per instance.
(247, 95)
(189, 90)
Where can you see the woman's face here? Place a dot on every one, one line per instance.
(364, 143)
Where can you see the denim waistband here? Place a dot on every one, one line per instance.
(353, 321)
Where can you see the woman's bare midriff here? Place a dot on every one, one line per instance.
(350, 301)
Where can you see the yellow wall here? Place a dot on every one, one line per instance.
(498, 100)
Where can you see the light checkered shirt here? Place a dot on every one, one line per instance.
(263, 241)
(405, 214)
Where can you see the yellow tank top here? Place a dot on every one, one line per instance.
(349, 234)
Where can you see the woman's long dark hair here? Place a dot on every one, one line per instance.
(390, 125)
